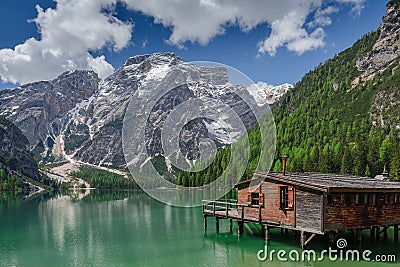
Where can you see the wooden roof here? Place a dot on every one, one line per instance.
(327, 182)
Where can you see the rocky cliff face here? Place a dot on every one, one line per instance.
(381, 67)
(79, 117)
(15, 155)
(39, 109)
(386, 48)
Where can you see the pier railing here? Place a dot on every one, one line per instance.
(228, 208)
(231, 209)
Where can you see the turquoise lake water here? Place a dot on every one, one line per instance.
(129, 228)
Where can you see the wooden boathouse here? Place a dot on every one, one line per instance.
(312, 204)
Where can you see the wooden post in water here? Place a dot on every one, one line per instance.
(205, 223)
(217, 224)
(266, 231)
(302, 240)
(378, 233)
(213, 208)
(294, 233)
(240, 227)
(396, 233)
(353, 233)
(372, 233)
(331, 237)
(359, 234)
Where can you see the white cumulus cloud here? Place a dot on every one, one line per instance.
(289, 20)
(68, 33)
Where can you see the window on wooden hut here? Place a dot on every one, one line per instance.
(330, 199)
(284, 197)
(374, 199)
(396, 198)
(255, 198)
(342, 198)
(357, 199)
(286, 194)
(365, 198)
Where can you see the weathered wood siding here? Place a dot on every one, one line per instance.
(242, 195)
(250, 212)
(309, 210)
(271, 211)
(348, 215)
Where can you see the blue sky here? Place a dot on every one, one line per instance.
(270, 41)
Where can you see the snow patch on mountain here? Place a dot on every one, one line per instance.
(264, 93)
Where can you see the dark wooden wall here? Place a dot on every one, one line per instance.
(350, 215)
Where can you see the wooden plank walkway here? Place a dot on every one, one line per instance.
(222, 209)
(232, 213)
(230, 209)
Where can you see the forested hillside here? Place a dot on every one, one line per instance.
(328, 122)
(325, 124)
(103, 179)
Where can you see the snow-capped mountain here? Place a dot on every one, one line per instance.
(264, 93)
(80, 117)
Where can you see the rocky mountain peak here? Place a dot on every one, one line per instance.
(391, 20)
(386, 47)
(156, 58)
(77, 73)
(135, 69)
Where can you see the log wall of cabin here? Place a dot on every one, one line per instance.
(349, 215)
(309, 206)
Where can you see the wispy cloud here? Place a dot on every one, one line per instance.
(358, 5)
(145, 43)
